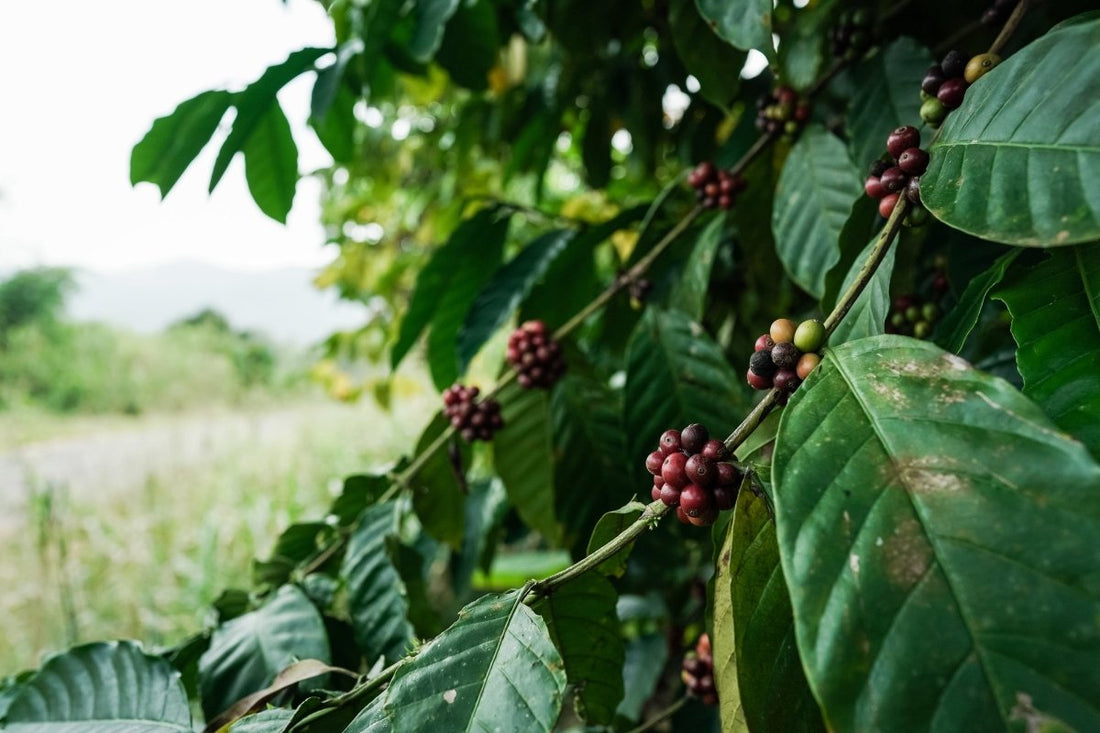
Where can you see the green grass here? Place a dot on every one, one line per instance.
(147, 563)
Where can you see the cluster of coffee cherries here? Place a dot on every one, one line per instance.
(998, 12)
(781, 111)
(474, 420)
(715, 188)
(888, 180)
(535, 355)
(692, 473)
(944, 85)
(912, 314)
(785, 355)
(851, 36)
(697, 672)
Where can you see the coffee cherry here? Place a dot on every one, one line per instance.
(695, 500)
(693, 438)
(672, 470)
(912, 190)
(728, 475)
(654, 461)
(917, 216)
(901, 140)
(878, 168)
(655, 493)
(707, 518)
(886, 206)
(700, 471)
(932, 80)
(670, 495)
(951, 93)
(472, 419)
(979, 66)
(913, 161)
(785, 355)
(873, 187)
(761, 363)
(535, 356)
(757, 381)
(930, 312)
(658, 482)
(787, 381)
(684, 519)
(809, 336)
(933, 112)
(715, 450)
(806, 364)
(669, 442)
(954, 63)
(782, 330)
(922, 329)
(764, 343)
(893, 180)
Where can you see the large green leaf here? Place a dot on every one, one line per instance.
(508, 286)
(1019, 161)
(524, 457)
(706, 56)
(675, 375)
(690, 293)
(376, 595)
(723, 640)
(470, 43)
(812, 203)
(1055, 308)
(868, 314)
(746, 24)
(254, 101)
(480, 236)
(438, 495)
(886, 97)
(486, 507)
(955, 327)
(174, 140)
(100, 688)
(938, 536)
(271, 164)
(265, 721)
(580, 616)
(246, 653)
(330, 80)
(431, 20)
(371, 719)
(610, 526)
(494, 669)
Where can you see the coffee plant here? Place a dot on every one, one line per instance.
(890, 522)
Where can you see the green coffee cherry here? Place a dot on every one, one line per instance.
(933, 112)
(930, 311)
(922, 330)
(809, 336)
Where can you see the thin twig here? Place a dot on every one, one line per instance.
(1010, 26)
(662, 716)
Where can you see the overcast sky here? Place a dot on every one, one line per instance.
(83, 81)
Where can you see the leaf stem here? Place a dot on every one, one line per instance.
(1010, 26)
(661, 716)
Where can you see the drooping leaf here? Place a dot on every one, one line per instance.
(100, 688)
(868, 314)
(485, 509)
(745, 25)
(955, 327)
(706, 56)
(524, 457)
(378, 21)
(723, 641)
(495, 668)
(337, 130)
(580, 617)
(247, 653)
(1055, 308)
(886, 97)
(470, 42)
(802, 52)
(938, 537)
(645, 660)
(371, 719)
(174, 140)
(508, 286)
(457, 260)
(438, 496)
(858, 228)
(690, 293)
(265, 721)
(254, 102)
(360, 490)
(431, 19)
(330, 80)
(376, 595)
(290, 677)
(676, 375)
(611, 525)
(271, 164)
(812, 204)
(1018, 162)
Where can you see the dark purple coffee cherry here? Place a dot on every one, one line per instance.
(728, 475)
(670, 495)
(761, 363)
(700, 471)
(695, 500)
(932, 80)
(693, 438)
(878, 168)
(913, 161)
(912, 190)
(672, 470)
(954, 63)
(724, 497)
(786, 380)
(669, 442)
(715, 450)
(901, 140)
(785, 355)
(893, 180)
(952, 92)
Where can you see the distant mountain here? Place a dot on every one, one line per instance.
(280, 303)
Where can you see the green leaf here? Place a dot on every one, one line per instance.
(1019, 161)
(812, 204)
(176, 139)
(431, 19)
(296, 544)
(495, 668)
(376, 595)
(371, 719)
(254, 102)
(438, 497)
(246, 653)
(337, 131)
(887, 87)
(675, 375)
(266, 721)
(359, 491)
(745, 25)
(802, 51)
(377, 25)
(645, 660)
(690, 294)
(271, 164)
(610, 526)
(459, 258)
(508, 286)
(470, 42)
(706, 56)
(100, 688)
(523, 453)
(330, 80)
(858, 228)
(580, 617)
(918, 499)
(1055, 308)
(485, 509)
(868, 314)
(771, 685)
(596, 144)
(723, 640)
(955, 327)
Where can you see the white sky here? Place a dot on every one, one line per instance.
(81, 82)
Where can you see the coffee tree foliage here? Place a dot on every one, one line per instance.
(918, 546)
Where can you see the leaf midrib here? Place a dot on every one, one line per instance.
(499, 642)
(1024, 145)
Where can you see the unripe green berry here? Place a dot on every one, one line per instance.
(930, 311)
(809, 336)
(912, 314)
(922, 330)
(933, 112)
